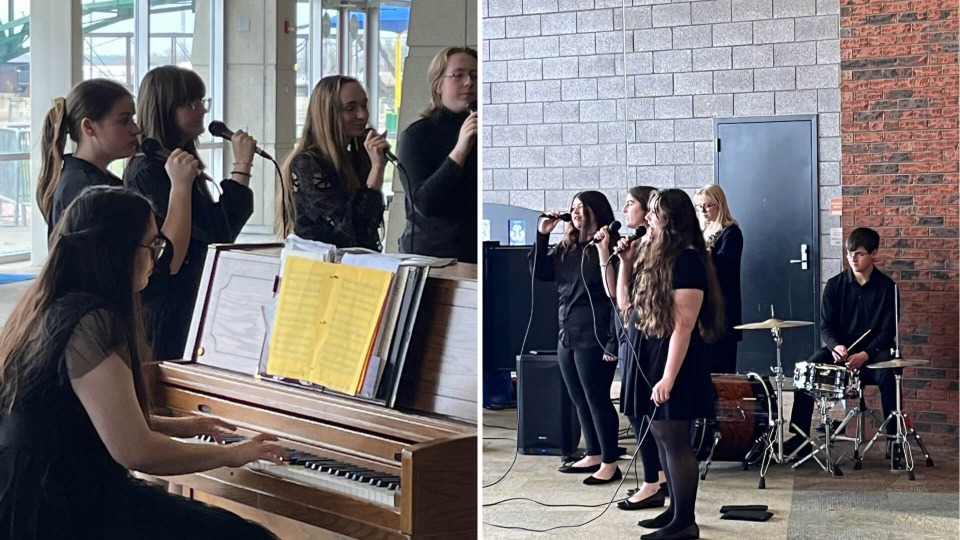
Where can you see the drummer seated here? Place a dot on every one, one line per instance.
(857, 308)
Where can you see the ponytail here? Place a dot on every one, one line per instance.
(52, 143)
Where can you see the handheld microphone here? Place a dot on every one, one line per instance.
(472, 107)
(613, 227)
(386, 153)
(219, 129)
(154, 150)
(637, 234)
(562, 217)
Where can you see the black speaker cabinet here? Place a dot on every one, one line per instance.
(548, 422)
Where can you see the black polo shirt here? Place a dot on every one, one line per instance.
(850, 309)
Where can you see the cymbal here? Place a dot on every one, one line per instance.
(772, 323)
(898, 363)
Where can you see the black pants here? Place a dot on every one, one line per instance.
(588, 378)
(884, 378)
(722, 354)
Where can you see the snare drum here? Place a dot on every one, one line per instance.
(825, 380)
(746, 409)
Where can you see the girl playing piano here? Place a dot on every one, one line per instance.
(73, 404)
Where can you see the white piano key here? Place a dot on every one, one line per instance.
(327, 481)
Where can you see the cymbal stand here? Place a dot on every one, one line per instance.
(901, 445)
(905, 429)
(773, 439)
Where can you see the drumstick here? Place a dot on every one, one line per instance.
(837, 358)
(858, 340)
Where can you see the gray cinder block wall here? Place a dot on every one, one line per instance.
(555, 92)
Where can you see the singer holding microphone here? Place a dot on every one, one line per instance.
(439, 153)
(587, 344)
(652, 493)
(332, 185)
(171, 109)
(671, 299)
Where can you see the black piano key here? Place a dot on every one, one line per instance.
(387, 482)
(361, 475)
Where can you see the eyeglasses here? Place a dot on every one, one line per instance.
(157, 247)
(204, 103)
(460, 76)
(705, 207)
(856, 255)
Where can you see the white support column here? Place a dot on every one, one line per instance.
(372, 57)
(56, 63)
(260, 90)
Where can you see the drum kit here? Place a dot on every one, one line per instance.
(827, 384)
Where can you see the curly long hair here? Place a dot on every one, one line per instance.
(653, 270)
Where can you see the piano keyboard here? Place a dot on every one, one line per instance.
(326, 473)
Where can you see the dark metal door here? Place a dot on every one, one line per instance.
(768, 169)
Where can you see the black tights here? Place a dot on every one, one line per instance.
(680, 466)
(649, 453)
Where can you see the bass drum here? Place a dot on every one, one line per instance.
(746, 408)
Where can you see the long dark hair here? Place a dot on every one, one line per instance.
(653, 270)
(94, 251)
(596, 214)
(641, 194)
(93, 99)
(162, 90)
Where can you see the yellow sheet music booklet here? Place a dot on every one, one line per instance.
(326, 321)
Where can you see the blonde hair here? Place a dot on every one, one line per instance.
(323, 134)
(435, 75)
(715, 192)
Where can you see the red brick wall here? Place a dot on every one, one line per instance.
(899, 174)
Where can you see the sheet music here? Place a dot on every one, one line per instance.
(327, 316)
(303, 295)
(379, 261)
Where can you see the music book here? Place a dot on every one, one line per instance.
(325, 323)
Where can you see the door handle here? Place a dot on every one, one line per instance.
(802, 261)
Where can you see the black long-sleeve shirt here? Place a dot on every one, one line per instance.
(169, 299)
(77, 174)
(440, 196)
(580, 326)
(726, 253)
(328, 212)
(849, 309)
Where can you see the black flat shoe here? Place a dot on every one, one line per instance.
(658, 522)
(656, 500)
(691, 532)
(572, 469)
(663, 489)
(594, 481)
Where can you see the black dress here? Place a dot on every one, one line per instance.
(327, 211)
(57, 479)
(77, 174)
(440, 196)
(169, 299)
(692, 395)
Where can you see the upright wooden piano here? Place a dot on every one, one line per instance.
(371, 471)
